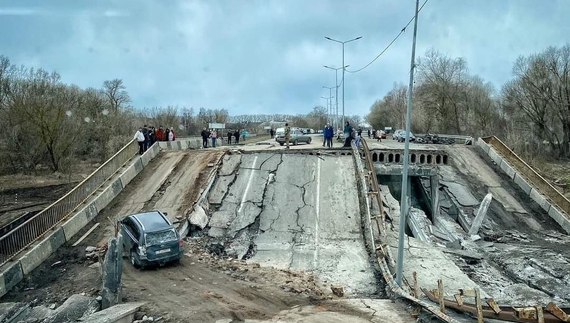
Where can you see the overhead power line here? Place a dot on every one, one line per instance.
(390, 44)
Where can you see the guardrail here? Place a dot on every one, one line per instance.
(530, 174)
(383, 255)
(34, 228)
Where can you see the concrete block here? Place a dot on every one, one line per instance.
(11, 276)
(75, 223)
(508, 169)
(169, 145)
(495, 156)
(117, 314)
(129, 173)
(108, 194)
(483, 145)
(41, 251)
(522, 183)
(540, 199)
(138, 164)
(163, 144)
(183, 144)
(91, 211)
(145, 158)
(560, 218)
(155, 149)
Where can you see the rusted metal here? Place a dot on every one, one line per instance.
(491, 302)
(35, 227)
(557, 311)
(415, 276)
(507, 313)
(539, 314)
(441, 295)
(478, 306)
(458, 299)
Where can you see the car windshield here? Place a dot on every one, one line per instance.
(159, 237)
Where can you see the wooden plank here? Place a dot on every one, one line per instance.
(479, 307)
(467, 292)
(491, 302)
(539, 314)
(86, 234)
(557, 311)
(440, 292)
(415, 276)
(458, 299)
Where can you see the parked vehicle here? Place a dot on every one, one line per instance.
(434, 139)
(150, 238)
(400, 135)
(279, 132)
(296, 136)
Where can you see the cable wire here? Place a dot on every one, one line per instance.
(390, 44)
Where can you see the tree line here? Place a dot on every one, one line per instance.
(52, 125)
(531, 112)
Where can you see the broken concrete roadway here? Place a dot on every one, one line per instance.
(294, 211)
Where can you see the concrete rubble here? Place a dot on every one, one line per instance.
(75, 308)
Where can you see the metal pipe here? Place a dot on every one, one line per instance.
(403, 197)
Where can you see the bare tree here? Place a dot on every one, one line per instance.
(116, 94)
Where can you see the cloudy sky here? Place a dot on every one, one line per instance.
(267, 56)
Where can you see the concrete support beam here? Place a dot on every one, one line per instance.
(508, 169)
(522, 183)
(413, 170)
(434, 193)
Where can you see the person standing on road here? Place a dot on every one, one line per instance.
(379, 135)
(146, 138)
(214, 136)
(205, 134)
(348, 134)
(243, 134)
(140, 139)
(236, 136)
(328, 133)
(171, 135)
(230, 135)
(359, 132)
(324, 134)
(287, 135)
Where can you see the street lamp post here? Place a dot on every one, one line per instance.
(330, 97)
(343, 68)
(335, 124)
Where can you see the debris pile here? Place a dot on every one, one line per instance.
(94, 253)
(293, 281)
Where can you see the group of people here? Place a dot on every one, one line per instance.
(146, 136)
(212, 134)
(376, 134)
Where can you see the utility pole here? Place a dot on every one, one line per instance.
(404, 196)
(330, 98)
(335, 123)
(343, 69)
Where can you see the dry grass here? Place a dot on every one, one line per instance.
(557, 173)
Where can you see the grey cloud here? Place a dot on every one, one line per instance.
(267, 56)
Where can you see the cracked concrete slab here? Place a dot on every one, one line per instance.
(300, 212)
(461, 193)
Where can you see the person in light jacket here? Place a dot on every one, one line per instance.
(171, 135)
(214, 136)
(139, 136)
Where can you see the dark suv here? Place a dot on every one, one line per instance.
(150, 238)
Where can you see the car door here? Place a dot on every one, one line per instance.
(130, 233)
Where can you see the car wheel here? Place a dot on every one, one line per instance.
(295, 142)
(133, 258)
(281, 143)
(310, 139)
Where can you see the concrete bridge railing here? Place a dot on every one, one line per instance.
(61, 221)
(532, 183)
(417, 157)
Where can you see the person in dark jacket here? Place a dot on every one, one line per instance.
(236, 136)
(348, 134)
(205, 135)
(328, 133)
(146, 137)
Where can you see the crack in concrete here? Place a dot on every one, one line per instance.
(369, 307)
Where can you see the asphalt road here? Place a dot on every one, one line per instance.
(294, 211)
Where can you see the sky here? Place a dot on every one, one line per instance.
(267, 56)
